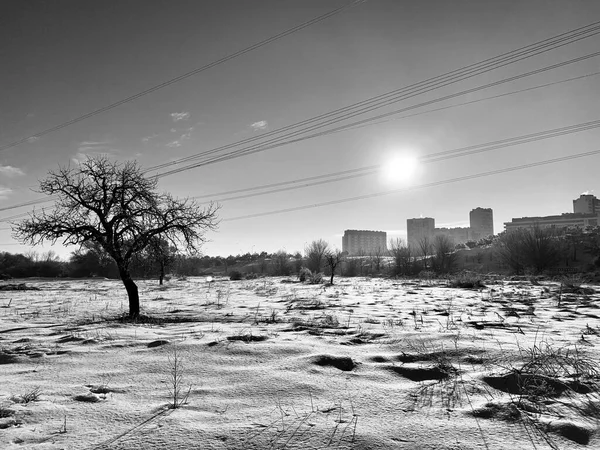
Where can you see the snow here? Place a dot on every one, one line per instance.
(363, 364)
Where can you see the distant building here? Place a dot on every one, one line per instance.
(577, 220)
(364, 242)
(417, 229)
(481, 221)
(586, 213)
(458, 235)
(586, 204)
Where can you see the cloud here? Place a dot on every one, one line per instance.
(149, 138)
(11, 171)
(184, 137)
(5, 192)
(260, 125)
(180, 116)
(88, 149)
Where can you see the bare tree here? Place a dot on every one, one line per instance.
(425, 247)
(315, 253)
(160, 254)
(333, 258)
(444, 257)
(114, 205)
(536, 249)
(376, 257)
(281, 263)
(404, 260)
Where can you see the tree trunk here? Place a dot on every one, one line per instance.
(162, 273)
(331, 281)
(132, 293)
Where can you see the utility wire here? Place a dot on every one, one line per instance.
(594, 27)
(421, 186)
(372, 169)
(277, 142)
(369, 168)
(184, 76)
(427, 159)
(413, 90)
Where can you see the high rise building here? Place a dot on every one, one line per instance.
(586, 204)
(481, 221)
(364, 242)
(417, 229)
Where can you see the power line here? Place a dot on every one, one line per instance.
(422, 186)
(427, 159)
(414, 89)
(492, 97)
(562, 39)
(276, 142)
(579, 127)
(184, 76)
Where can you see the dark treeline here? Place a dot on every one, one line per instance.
(91, 261)
(522, 251)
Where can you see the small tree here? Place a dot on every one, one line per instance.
(333, 258)
(376, 257)
(114, 205)
(404, 260)
(536, 249)
(444, 257)
(425, 247)
(160, 255)
(281, 263)
(315, 254)
(509, 248)
(543, 248)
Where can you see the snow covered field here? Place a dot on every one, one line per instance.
(276, 364)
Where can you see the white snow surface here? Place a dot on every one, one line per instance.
(276, 364)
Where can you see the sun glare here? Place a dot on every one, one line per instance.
(400, 168)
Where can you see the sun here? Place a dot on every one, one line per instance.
(400, 169)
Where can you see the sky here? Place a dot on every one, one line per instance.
(63, 59)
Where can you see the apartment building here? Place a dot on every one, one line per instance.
(364, 242)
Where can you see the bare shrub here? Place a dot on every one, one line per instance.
(32, 395)
(176, 372)
(235, 275)
(536, 249)
(405, 261)
(281, 263)
(444, 257)
(333, 258)
(315, 254)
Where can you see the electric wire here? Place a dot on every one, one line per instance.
(422, 186)
(414, 89)
(580, 127)
(277, 142)
(427, 159)
(372, 169)
(567, 35)
(183, 76)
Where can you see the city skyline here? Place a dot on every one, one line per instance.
(64, 65)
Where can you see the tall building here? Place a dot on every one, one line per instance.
(364, 242)
(481, 221)
(586, 204)
(417, 229)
